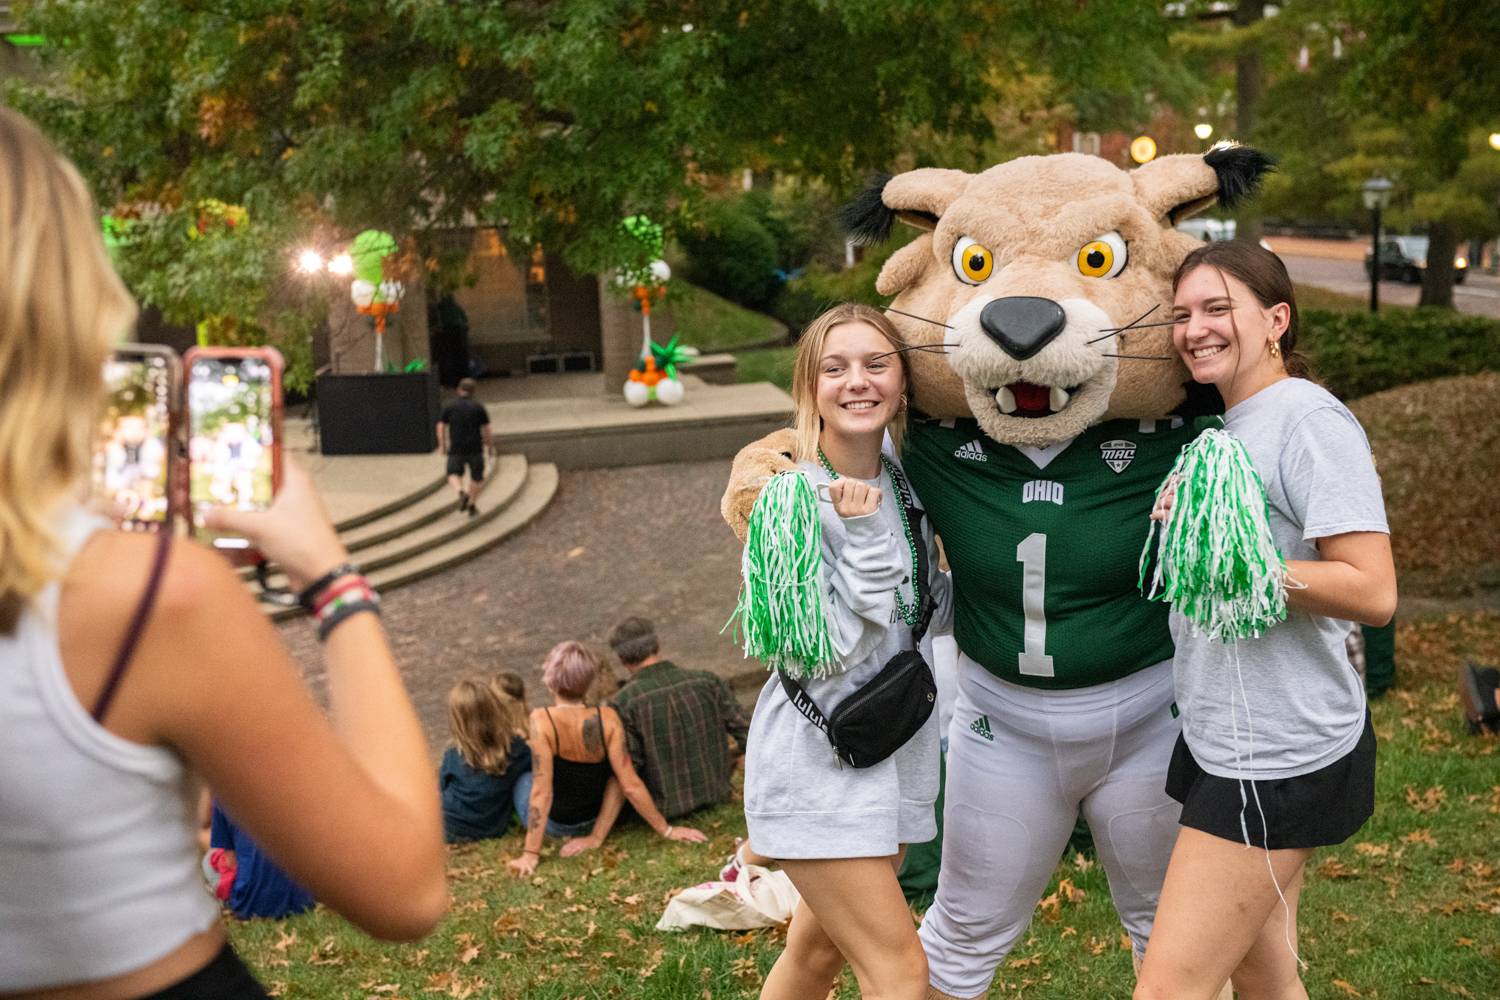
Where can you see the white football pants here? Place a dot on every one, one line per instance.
(1022, 765)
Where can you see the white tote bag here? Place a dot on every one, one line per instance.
(758, 897)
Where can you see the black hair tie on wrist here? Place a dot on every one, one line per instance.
(309, 595)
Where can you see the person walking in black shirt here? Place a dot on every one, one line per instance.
(464, 435)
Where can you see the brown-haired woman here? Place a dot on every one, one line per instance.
(483, 776)
(119, 652)
(1276, 751)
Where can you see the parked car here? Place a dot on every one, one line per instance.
(1212, 230)
(1404, 258)
(1206, 229)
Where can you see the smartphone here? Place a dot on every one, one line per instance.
(234, 435)
(133, 455)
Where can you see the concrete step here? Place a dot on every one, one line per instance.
(387, 544)
(447, 546)
(502, 481)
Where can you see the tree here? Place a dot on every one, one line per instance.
(1419, 69)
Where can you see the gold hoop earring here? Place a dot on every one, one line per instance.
(1275, 349)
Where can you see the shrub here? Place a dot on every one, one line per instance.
(732, 254)
(1355, 354)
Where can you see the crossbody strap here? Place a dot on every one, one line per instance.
(137, 627)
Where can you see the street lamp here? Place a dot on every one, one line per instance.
(1377, 192)
(1495, 140)
(1203, 130)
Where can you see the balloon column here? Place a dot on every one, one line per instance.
(654, 376)
(373, 294)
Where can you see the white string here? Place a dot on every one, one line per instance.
(1255, 794)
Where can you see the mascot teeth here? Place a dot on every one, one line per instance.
(1005, 399)
(1059, 398)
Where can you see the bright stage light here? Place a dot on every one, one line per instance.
(309, 261)
(342, 264)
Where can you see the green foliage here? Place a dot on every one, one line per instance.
(1357, 353)
(732, 254)
(822, 286)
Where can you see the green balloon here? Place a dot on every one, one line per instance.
(369, 251)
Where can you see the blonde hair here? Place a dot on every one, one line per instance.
(484, 722)
(807, 424)
(61, 307)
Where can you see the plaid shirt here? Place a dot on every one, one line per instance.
(676, 722)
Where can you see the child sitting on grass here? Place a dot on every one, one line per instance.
(482, 771)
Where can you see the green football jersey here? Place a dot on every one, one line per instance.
(1045, 560)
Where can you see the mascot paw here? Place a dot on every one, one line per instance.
(753, 468)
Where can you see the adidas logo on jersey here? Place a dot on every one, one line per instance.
(973, 451)
(1117, 454)
(1042, 489)
(981, 726)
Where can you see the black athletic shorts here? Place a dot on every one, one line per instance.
(1317, 809)
(225, 978)
(474, 463)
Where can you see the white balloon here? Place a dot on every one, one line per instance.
(661, 271)
(670, 391)
(637, 393)
(391, 291)
(362, 292)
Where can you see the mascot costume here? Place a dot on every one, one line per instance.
(1051, 405)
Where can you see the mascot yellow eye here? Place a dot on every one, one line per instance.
(972, 261)
(1103, 256)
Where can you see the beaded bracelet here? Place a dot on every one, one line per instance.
(336, 590)
(343, 613)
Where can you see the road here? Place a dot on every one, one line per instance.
(1340, 268)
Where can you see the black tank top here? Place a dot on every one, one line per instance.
(577, 786)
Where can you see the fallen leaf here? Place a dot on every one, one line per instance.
(1346, 988)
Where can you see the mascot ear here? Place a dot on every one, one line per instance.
(918, 198)
(1175, 187)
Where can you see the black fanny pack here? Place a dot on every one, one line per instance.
(878, 719)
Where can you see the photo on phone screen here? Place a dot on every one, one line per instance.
(231, 435)
(132, 457)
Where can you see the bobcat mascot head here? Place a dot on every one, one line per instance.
(1043, 284)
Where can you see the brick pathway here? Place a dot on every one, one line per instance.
(614, 542)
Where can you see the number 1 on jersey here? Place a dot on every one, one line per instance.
(1032, 555)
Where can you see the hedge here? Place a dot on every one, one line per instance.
(1355, 354)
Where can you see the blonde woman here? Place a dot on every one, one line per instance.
(840, 833)
(581, 770)
(118, 653)
(485, 774)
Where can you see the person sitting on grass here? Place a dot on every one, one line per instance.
(678, 723)
(250, 884)
(486, 773)
(581, 772)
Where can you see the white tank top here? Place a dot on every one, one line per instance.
(98, 856)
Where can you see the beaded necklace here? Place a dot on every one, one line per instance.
(909, 613)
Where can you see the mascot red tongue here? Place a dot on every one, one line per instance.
(1048, 411)
(1031, 399)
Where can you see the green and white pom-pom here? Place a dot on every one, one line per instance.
(781, 616)
(1216, 560)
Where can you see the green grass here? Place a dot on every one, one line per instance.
(708, 322)
(771, 364)
(1410, 907)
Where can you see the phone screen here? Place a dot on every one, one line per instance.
(230, 436)
(131, 460)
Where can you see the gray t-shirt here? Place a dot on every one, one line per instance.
(1288, 702)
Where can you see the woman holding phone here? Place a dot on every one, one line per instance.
(119, 650)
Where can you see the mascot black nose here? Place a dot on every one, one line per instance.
(1022, 324)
